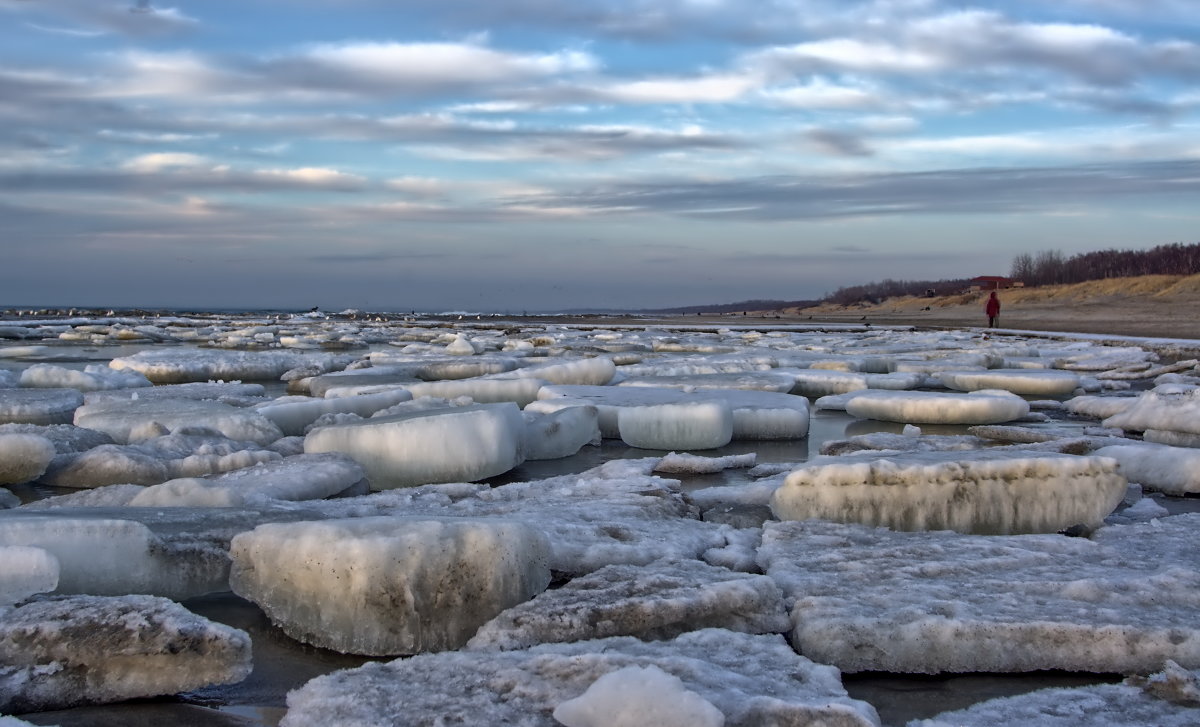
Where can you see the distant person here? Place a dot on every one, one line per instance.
(992, 309)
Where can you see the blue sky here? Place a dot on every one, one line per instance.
(543, 154)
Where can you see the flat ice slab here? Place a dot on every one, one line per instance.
(984, 492)
(869, 599)
(111, 557)
(383, 585)
(293, 417)
(39, 406)
(931, 407)
(1023, 382)
(655, 601)
(135, 419)
(751, 679)
(303, 477)
(1173, 470)
(25, 571)
(177, 366)
(68, 651)
(1170, 407)
(1168, 699)
(779, 382)
(456, 444)
(685, 425)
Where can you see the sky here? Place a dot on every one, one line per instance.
(536, 155)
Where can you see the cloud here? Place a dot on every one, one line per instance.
(157, 162)
(97, 17)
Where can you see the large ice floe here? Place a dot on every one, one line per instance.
(388, 585)
(135, 419)
(303, 477)
(986, 492)
(454, 444)
(1018, 381)
(870, 599)
(66, 651)
(1170, 698)
(179, 366)
(748, 679)
(932, 407)
(39, 406)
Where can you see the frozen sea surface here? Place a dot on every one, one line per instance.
(600, 514)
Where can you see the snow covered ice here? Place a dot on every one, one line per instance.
(388, 585)
(24, 457)
(1019, 381)
(869, 599)
(303, 477)
(70, 650)
(134, 419)
(458, 444)
(658, 600)
(39, 406)
(931, 407)
(983, 491)
(751, 679)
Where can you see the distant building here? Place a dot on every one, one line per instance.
(994, 282)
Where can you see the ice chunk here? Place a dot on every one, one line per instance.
(293, 416)
(984, 492)
(867, 599)
(659, 600)
(460, 346)
(63, 652)
(1167, 699)
(1173, 470)
(686, 425)
(753, 381)
(1100, 407)
(697, 465)
(485, 391)
(181, 365)
(23, 457)
(94, 377)
(116, 557)
(131, 420)
(878, 441)
(751, 679)
(757, 415)
(1171, 407)
(1174, 439)
(441, 445)
(929, 407)
(25, 571)
(637, 696)
(580, 372)
(186, 453)
(559, 433)
(303, 477)
(388, 585)
(232, 393)
(1023, 382)
(39, 406)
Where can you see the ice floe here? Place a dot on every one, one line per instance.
(137, 419)
(982, 491)
(1173, 470)
(303, 477)
(66, 651)
(870, 599)
(1019, 381)
(388, 585)
(750, 679)
(931, 407)
(25, 571)
(177, 366)
(24, 457)
(39, 406)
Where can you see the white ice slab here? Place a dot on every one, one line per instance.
(686, 425)
(388, 585)
(675, 463)
(751, 679)
(658, 600)
(137, 419)
(460, 444)
(930, 407)
(186, 453)
(561, 433)
(39, 406)
(636, 696)
(1022, 382)
(1100, 407)
(1173, 470)
(867, 599)
(234, 394)
(1166, 699)
(93, 377)
(1171, 407)
(69, 651)
(112, 557)
(984, 492)
(24, 457)
(25, 571)
(778, 382)
(294, 415)
(181, 365)
(580, 372)
(520, 391)
(757, 415)
(303, 477)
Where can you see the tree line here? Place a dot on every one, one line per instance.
(888, 288)
(1049, 267)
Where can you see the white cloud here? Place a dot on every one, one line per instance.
(714, 88)
(313, 175)
(159, 161)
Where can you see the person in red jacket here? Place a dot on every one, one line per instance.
(992, 309)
